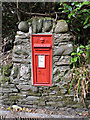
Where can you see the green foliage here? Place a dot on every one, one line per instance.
(80, 75)
(80, 82)
(80, 56)
(78, 18)
(5, 79)
(7, 70)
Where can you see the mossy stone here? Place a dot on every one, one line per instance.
(5, 79)
(7, 70)
(23, 26)
(61, 26)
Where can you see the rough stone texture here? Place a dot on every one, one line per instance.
(23, 26)
(34, 24)
(61, 27)
(47, 25)
(18, 88)
(39, 25)
(64, 50)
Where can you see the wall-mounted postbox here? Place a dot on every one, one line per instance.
(42, 49)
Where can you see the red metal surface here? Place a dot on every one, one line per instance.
(42, 45)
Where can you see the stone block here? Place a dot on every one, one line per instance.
(51, 103)
(56, 58)
(64, 60)
(24, 70)
(34, 25)
(39, 25)
(21, 60)
(15, 70)
(64, 50)
(65, 37)
(23, 26)
(47, 25)
(23, 87)
(63, 91)
(42, 103)
(61, 26)
(32, 98)
(20, 41)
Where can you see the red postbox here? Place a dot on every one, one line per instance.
(42, 49)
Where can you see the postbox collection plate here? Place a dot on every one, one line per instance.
(42, 49)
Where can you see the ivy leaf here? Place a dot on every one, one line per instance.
(72, 3)
(81, 46)
(69, 15)
(60, 8)
(81, 52)
(75, 59)
(86, 20)
(86, 26)
(78, 29)
(73, 54)
(65, 11)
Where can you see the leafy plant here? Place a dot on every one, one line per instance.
(78, 18)
(80, 75)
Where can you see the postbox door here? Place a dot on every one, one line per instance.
(42, 69)
(42, 46)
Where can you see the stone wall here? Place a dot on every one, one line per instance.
(18, 88)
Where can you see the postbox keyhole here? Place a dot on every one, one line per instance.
(42, 40)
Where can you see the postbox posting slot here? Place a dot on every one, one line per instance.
(42, 46)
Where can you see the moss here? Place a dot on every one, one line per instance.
(29, 21)
(54, 88)
(32, 93)
(7, 70)
(48, 18)
(61, 21)
(5, 79)
(14, 97)
(58, 80)
(54, 25)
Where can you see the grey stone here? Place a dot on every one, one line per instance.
(18, 52)
(9, 90)
(19, 60)
(65, 37)
(56, 58)
(41, 103)
(15, 71)
(23, 26)
(34, 25)
(16, 81)
(63, 91)
(47, 25)
(67, 77)
(21, 41)
(29, 102)
(32, 98)
(35, 89)
(39, 25)
(24, 87)
(55, 70)
(64, 50)
(64, 60)
(61, 27)
(20, 37)
(20, 33)
(24, 70)
(50, 103)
